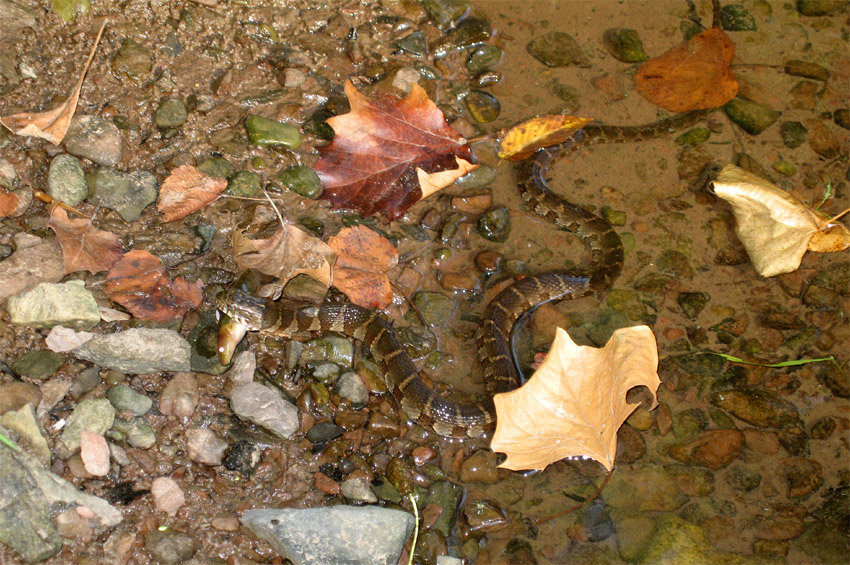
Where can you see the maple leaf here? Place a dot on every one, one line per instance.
(139, 282)
(525, 138)
(187, 190)
(288, 252)
(360, 271)
(776, 228)
(573, 405)
(378, 148)
(84, 247)
(691, 76)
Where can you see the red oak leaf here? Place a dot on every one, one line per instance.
(84, 247)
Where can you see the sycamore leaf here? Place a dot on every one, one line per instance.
(187, 190)
(84, 247)
(573, 405)
(524, 139)
(139, 282)
(691, 76)
(776, 228)
(53, 124)
(288, 252)
(371, 164)
(360, 271)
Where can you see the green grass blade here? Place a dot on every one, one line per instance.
(9, 443)
(792, 363)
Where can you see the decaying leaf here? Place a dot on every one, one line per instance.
(522, 140)
(776, 228)
(691, 76)
(11, 204)
(84, 247)
(371, 165)
(187, 190)
(139, 282)
(360, 271)
(575, 402)
(288, 252)
(53, 124)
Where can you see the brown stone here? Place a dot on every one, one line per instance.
(480, 468)
(778, 528)
(15, 395)
(713, 449)
(325, 484)
(802, 476)
(761, 441)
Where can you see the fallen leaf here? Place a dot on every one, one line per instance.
(84, 247)
(575, 402)
(8, 204)
(776, 228)
(53, 124)
(187, 190)
(360, 271)
(429, 183)
(139, 282)
(691, 76)
(288, 252)
(62, 339)
(522, 140)
(372, 163)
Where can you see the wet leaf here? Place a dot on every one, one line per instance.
(691, 76)
(8, 204)
(378, 148)
(140, 283)
(288, 252)
(776, 228)
(84, 247)
(187, 190)
(522, 140)
(360, 271)
(575, 402)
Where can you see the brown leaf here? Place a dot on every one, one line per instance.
(371, 164)
(84, 247)
(575, 402)
(187, 190)
(691, 76)
(139, 282)
(289, 252)
(8, 204)
(360, 271)
(524, 139)
(53, 124)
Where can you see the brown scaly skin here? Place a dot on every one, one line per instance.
(417, 400)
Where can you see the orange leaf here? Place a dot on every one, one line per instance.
(288, 252)
(525, 138)
(84, 247)
(187, 190)
(371, 164)
(8, 204)
(139, 282)
(575, 402)
(360, 271)
(692, 76)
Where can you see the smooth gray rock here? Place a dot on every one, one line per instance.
(66, 180)
(126, 193)
(47, 305)
(265, 407)
(15, 17)
(138, 351)
(95, 139)
(34, 261)
(123, 397)
(93, 414)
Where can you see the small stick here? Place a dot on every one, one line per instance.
(578, 506)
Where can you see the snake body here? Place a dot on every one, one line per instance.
(417, 400)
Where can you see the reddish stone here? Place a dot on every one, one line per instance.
(713, 449)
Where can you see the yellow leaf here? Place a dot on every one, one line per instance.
(288, 252)
(575, 402)
(524, 139)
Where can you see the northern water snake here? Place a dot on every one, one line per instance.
(416, 399)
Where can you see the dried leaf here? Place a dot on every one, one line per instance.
(289, 252)
(360, 271)
(53, 124)
(84, 247)
(187, 190)
(139, 282)
(429, 183)
(371, 164)
(522, 140)
(8, 204)
(575, 402)
(775, 228)
(691, 76)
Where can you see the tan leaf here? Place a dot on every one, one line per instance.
(429, 183)
(187, 190)
(360, 271)
(575, 402)
(84, 247)
(15, 203)
(289, 252)
(775, 228)
(53, 124)
(525, 138)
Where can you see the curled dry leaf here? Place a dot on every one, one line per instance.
(360, 271)
(776, 228)
(139, 282)
(84, 247)
(522, 140)
(691, 76)
(575, 402)
(187, 190)
(288, 252)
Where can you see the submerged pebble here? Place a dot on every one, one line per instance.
(625, 45)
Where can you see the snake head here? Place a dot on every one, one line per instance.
(241, 313)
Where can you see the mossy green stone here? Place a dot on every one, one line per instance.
(793, 134)
(734, 17)
(625, 45)
(302, 180)
(483, 58)
(750, 116)
(244, 183)
(263, 131)
(217, 167)
(40, 365)
(495, 224)
(70, 9)
(171, 113)
(483, 106)
(694, 136)
(436, 308)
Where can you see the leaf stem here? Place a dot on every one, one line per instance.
(415, 530)
(832, 219)
(539, 521)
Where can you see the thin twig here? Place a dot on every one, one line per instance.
(578, 506)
